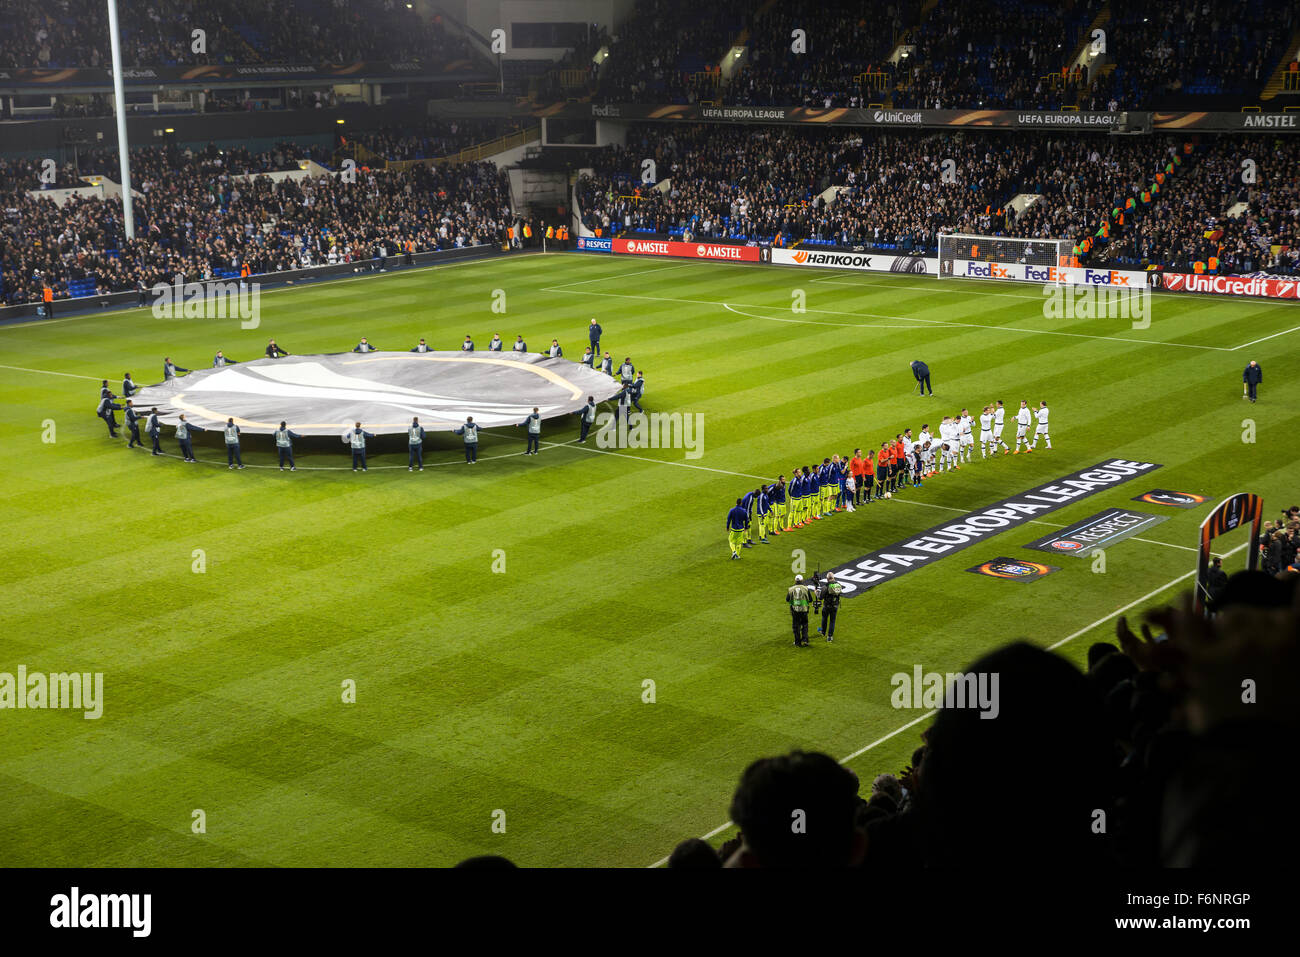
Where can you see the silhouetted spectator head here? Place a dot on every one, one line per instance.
(1110, 671)
(488, 862)
(694, 854)
(1098, 651)
(798, 810)
(1020, 787)
(889, 786)
(1255, 590)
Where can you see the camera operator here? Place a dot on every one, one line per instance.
(829, 592)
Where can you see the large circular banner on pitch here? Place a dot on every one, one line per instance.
(324, 394)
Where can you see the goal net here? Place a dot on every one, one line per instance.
(965, 255)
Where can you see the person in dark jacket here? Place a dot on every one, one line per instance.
(638, 390)
(105, 411)
(133, 418)
(1273, 552)
(1216, 579)
(1252, 377)
(154, 428)
(921, 372)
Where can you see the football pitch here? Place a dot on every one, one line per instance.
(507, 625)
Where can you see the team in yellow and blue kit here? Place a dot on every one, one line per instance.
(841, 483)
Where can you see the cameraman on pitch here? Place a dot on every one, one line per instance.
(828, 596)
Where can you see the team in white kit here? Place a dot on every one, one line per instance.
(956, 440)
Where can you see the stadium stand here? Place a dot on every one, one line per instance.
(74, 33)
(889, 194)
(846, 63)
(1168, 52)
(198, 219)
(435, 138)
(1015, 54)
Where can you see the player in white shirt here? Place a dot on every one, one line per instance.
(986, 430)
(924, 439)
(966, 436)
(948, 435)
(999, 414)
(1023, 418)
(1042, 426)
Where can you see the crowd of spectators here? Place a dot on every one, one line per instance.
(1161, 51)
(841, 41)
(664, 44)
(1192, 223)
(994, 54)
(724, 181)
(199, 216)
(1279, 542)
(892, 191)
(74, 33)
(436, 138)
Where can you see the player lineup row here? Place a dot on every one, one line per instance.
(841, 483)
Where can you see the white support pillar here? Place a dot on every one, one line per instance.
(119, 98)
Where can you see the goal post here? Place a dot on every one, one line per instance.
(963, 254)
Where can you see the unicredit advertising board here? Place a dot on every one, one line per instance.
(669, 247)
(1232, 285)
(840, 259)
(1025, 272)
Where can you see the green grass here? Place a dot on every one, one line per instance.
(522, 691)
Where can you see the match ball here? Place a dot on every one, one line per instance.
(889, 495)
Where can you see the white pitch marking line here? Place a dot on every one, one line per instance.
(639, 458)
(929, 714)
(1265, 339)
(1138, 601)
(626, 275)
(809, 322)
(869, 315)
(70, 375)
(832, 281)
(966, 325)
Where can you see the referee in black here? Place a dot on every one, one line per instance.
(921, 371)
